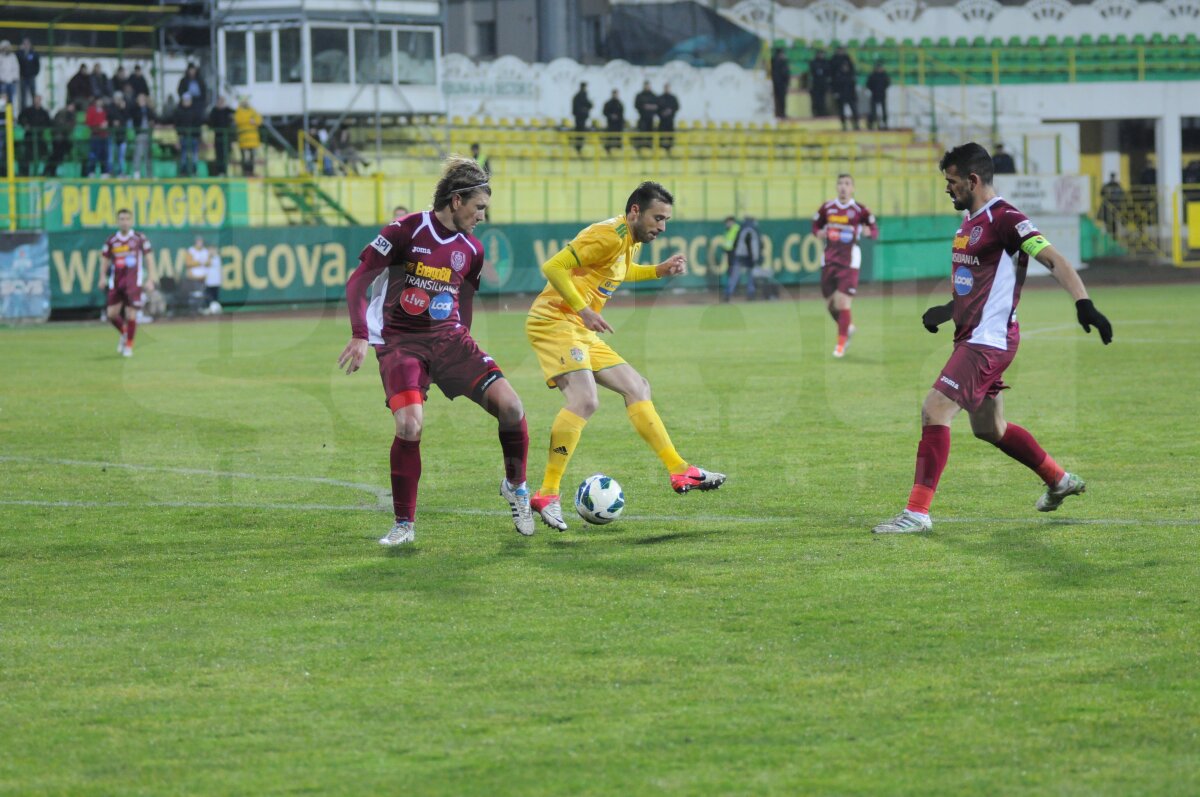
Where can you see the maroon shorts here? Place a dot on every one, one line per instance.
(973, 373)
(838, 278)
(452, 361)
(125, 289)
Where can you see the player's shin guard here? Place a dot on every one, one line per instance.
(406, 473)
(932, 454)
(1021, 446)
(645, 419)
(514, 443)
(843, 322)
(564, 436)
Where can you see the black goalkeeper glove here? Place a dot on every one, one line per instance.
(937, 315)
(1090, 317)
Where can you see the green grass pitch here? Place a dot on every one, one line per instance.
(192, 600)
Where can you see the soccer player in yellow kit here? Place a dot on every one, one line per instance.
(562, 327)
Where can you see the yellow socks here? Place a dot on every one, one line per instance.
(645, 419)
(564, 436)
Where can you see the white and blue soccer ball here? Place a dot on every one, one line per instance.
(599, 499)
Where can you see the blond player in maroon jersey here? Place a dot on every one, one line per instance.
(990, 255)
(423, 270)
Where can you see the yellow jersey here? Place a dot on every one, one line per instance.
(589, 270)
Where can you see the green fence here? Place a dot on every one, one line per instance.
(311, 264)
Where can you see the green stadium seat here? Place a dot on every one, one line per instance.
(1086, 40)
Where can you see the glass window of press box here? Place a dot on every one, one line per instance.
(340, 54)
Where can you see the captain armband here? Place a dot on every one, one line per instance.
(1034, 245)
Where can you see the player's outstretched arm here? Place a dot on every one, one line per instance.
(1066, 276)
(351, 358)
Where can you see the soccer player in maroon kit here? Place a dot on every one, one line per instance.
(839, 223)
(423, 270)
(990, 256)
(124, 258)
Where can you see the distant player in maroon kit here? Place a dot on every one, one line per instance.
(839, 223)
(423, 270)
(991, 253)
(124, 258)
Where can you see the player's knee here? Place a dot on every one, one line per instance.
(585, 406)
(988, 434)
(408, 427)
(510, 412)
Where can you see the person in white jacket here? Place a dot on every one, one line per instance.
(10, 71)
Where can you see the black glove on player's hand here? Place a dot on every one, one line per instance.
(938, 315)
(1090, 317)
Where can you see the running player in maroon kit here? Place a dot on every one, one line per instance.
(991, 253)
(839, 223)
(124, 258)
(423, 270)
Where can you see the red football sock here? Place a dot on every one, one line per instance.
(1020, 445)
(843, 321)
(514, 442)
(118, 322)
(130, 329)
(932, 453)
(406, 472)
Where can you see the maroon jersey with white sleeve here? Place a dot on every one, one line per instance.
(127, 253)
(422, 278)
(844, 225)
(988, 270)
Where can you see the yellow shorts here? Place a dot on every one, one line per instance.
(563, 347)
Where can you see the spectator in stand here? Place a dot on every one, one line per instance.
(646, 105)
(399, 212)
(845, 90)
(101, 85)
(840, 57)
(118, 127)
(247, 121)
(193, 84)
(35, 120)
(119, 81)
(79, 87)
(668, 106)
(878, 83)
(614, 122)
(781, 78)
(137, 82)
(30, 66)
(484, 162)
(581, 107)
(220, 120)
(10, 71)
(820, 74)
(141, 120)
(1112, 197)
(97, 121)
(187, 120)
(63, 127)
(1002, 162)
(347, 153)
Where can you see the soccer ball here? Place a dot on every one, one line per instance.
(599, 499)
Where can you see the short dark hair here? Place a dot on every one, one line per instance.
(845, 174)
(646, 193)
(124, 210)
(969, 158)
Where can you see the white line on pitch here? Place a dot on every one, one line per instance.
(471, 512)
